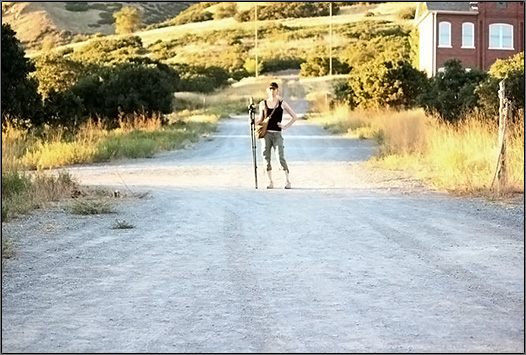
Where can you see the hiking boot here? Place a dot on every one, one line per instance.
(287, 185)
(270, 185)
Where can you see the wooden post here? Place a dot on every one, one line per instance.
(500, 170)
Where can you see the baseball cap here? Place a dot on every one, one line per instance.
(273, 85)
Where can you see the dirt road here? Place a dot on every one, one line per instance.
(348, 260)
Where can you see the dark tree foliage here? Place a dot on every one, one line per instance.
(104, 51)
(195, 13)
(21, 103)
(383, 85)
(451, 94)
(512, 72)
(281, 10)
(127, 88)
(343, 93)
(198, 78)
(320, 66)
(56, 73)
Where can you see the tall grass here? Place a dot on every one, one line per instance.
(458, 158)
(24, 189)
(136, 137)
(21, 190)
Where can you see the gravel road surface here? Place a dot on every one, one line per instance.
(350, 259)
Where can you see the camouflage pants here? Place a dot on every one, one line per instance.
(274, 140)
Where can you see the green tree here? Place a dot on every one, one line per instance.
(387, 84)
(21, 103)
(109, 51)
(200, 78)
(512, 71)
(377, 49)
(320, 66)
(127, 20)
(128, 88)
(56, 73)
(451, 94)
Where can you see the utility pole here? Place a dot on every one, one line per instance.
(256, 33)
(330, 40)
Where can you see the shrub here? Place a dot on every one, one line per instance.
(320, 66)
(199, 78)
(195, 13)
(127, 88)
(244, 15)
(343, 93)
(385, 85)
(127, 20)
(231, 60)
(77, 6)
(378, 49)
(55, 73)
(281, 10)
(281, 63)
(451, 94)
(48, 44)
(64, 109)
(225, 11)
(512, 70)
(101, 50)
(250, 66)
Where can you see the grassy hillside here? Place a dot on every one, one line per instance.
(62, 21)
(228, 43)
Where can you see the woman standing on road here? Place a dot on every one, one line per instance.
(273, 107)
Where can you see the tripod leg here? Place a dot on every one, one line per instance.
(254, 152)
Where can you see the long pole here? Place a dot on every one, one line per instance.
(256, 34)
(252, 114)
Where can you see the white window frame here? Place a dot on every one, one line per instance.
(440, 44)
(465, 26)
(500, 27)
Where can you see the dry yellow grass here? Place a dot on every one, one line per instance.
(461, 159)
(139, 122)
(14, 144)
(458, 158)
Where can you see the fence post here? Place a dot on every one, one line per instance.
(500, 169)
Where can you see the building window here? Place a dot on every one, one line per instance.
(444, 34)
(468, 35)
(500, 36)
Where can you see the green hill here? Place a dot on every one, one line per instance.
(63, 22)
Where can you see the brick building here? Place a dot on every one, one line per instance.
(476, 33)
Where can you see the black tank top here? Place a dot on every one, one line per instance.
(276, 116)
